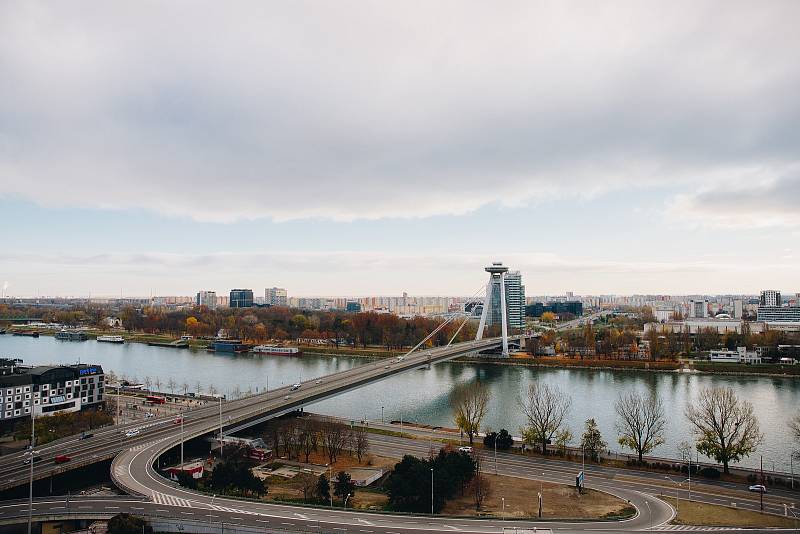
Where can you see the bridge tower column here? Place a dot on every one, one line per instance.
(497, 276)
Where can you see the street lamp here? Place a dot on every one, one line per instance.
(221, 443)
(504, 507)
(431, 490)
(677, 486)
(649, 513)
(347, 497)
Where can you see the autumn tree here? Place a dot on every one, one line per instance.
(592, 440)
(725, 427)
(360, 442)
(640, 422)
(469, 402)
(545, 407)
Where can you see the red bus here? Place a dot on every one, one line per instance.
(154, 399)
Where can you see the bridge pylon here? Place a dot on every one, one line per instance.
(497, 279)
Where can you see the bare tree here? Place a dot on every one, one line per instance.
(171, 385)
(545, 407)
(469, 403)
(334, 436)
(148, 382)
(726, 428)
(308, 484)
(480, 484)
(307, 437)
(157, 384)
(288, 436)
(640, 422)
(185, 387)
(360, 442)
(794, 425)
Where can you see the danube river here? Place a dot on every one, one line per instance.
(422, 395)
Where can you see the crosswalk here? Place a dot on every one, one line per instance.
(233, 510)
(170, 500)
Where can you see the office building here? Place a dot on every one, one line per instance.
(779, 314)
(352, 306)
(698, 309)
(559, 308)
(276, 296)
(48, 389)
(207, 299)
(241, 298)
(738, 309)
(770, 298)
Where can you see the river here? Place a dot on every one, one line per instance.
(422, 395)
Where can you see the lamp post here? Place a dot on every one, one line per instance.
(504, 507)
(181, 416)
(347, 497)
(221, 443)
(32, 459)
(495, 454)
(649, 513)
(431, 491)
(382, 415)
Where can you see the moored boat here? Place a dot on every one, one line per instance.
(229, 345)
(277, 350)
(111, 339)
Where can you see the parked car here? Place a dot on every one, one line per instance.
(466, 449)
(61, 458)
(758, 488)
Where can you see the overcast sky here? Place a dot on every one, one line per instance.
(346, 148)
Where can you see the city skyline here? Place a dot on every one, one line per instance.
(621, 149)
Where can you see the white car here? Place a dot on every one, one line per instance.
(295, 387)
(465, 449)
(400, 358)
(758, 488)
(132, 432)
(319, 381)
(148, 415)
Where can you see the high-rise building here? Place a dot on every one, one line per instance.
(770, 298)
(207, 298)
(241, 298)
(738, 309)
(698, 308)
(514, 297)
(276, 296)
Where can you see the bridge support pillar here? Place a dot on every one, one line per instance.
(497, 279)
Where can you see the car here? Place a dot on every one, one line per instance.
(148, 415)
(319, 382)
(178, 420)
(27, 459)
(295, 387)
(400, 358)
(132, 432)
(61, 458)
(466, 449)
(86, 435)
(287, 397)
(758, 488)
(386, 367)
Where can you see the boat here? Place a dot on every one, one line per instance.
(27, 334)
(66, 335)
(177, 344)
(229, 345)
(277, 349)
(111, 339)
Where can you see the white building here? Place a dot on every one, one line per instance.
(276, 296)
(698, 309)
(770, 298)
(740, 355)
(206, 298)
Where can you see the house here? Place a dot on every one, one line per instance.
(740, 355)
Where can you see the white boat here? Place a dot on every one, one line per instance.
(276, 349)
(111, 339)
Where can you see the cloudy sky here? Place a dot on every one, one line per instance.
(345, 148)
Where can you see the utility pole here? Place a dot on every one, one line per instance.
(495, 454)
(182, 417)
(221, 445)
(761, 492)
(431, 491)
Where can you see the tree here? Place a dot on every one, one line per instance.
(548, 317)
(335, 436)
(503, 440)
(725, 427)
(171, 385)
(469, 403)
(480, 485)
(360, 442)
(794, 425)
(640, 422)
(233, 475)
(545, 408)
(592, 441)
(343, 486)
(128, 524)
(323, 491)
(308, 484)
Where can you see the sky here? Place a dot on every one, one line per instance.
(362, 148)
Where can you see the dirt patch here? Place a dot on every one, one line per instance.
(521, 501)
(712, 515)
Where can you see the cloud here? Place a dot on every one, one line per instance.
(755, 201)
(360, 110)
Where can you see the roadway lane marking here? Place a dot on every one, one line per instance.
(366, 522)
(301, 516)
(451, 527)
(112, 507)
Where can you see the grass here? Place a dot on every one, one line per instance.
(712, 515)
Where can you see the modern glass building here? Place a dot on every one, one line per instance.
(515, 301)
(241, 298)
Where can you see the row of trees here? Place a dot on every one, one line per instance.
(300, 437)
(725, 427)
